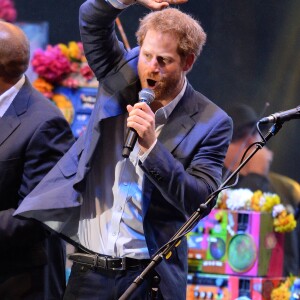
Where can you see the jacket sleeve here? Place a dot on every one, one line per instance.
(187, 185)
(47, 145)
(104, 52)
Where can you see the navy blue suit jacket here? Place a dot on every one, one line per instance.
(34, 135)
(183, 168)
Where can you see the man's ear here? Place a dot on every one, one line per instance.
(189, 61)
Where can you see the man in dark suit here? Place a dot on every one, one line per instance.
(33, 136)
(120, 211)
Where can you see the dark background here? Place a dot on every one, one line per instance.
(252, 56)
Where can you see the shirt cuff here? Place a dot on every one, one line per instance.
(143, 157)
(118, 4)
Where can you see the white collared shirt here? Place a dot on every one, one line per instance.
(7, 97)
(111, 214)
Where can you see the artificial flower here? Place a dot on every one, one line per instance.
(44, 87)
(86, 72)
(238, 199)
(51, 64)
(256, 200)
(245, 199)
(65, 105)
(70, 82)
(284, 222)
(62, 65)
(282, 292)
(8, 12)
(270, 200)
(75, 51)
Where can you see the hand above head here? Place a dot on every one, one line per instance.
(155, 4)
(141, 119)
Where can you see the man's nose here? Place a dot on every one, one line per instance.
(153, 65)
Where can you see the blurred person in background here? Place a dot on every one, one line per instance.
(256, 175)
(33, 136)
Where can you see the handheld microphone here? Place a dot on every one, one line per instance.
(145, 95)
(282, 116)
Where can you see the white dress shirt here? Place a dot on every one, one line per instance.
(111, 214)
(7, 97)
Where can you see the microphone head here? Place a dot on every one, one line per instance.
(146, 95)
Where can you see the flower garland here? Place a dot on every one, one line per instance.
(283, 291)
(245, 199)
(62, 65)
(8, 12)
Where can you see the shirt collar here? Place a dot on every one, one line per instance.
(162, 114)
(7, 97)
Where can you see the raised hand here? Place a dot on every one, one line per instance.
(159, 4)
(173, 1)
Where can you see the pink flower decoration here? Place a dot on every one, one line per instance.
(86, 72)
(75, 67)
(7, 11)
(70, 83)
(80, 46)
(51, 64)
(48, 95)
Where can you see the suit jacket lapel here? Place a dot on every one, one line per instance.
(8, 124)
(178, 125)
(112, 102)
(180, 122)
(10, 120)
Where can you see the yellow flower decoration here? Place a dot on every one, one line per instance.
(72, 51)
(244, 199)
(256, 200)
(284, 222)
(64, 49)
(65, 105)
(219, 215)
(221, 201)
(43, 86)
(270, 201)
(282, 292)
(75, 52)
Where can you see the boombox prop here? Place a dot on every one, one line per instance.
(229, 287)
(239, 243)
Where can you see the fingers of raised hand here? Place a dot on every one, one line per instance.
(172, 1)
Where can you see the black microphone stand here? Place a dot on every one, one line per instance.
(195, 217)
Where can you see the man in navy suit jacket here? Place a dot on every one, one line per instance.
(33, 136)
(120, 211)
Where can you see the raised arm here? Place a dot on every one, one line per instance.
(102, 48)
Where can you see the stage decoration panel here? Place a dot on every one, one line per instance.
(236, 243)
(245, 199)
(229, 287)
(236, 252)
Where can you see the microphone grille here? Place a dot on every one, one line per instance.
(146, 95)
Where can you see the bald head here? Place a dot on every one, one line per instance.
(14, 52)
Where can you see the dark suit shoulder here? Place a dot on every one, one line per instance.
(204, 106)
(125, 74)
(31, 103)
